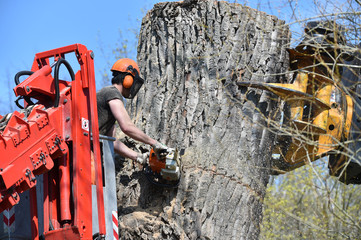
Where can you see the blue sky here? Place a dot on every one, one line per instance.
(28, 27)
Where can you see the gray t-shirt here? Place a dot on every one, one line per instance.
(106, 119)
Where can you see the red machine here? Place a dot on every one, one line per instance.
(53, 138)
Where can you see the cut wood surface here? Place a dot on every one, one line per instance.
(191, 55)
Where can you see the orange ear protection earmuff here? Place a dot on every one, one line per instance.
(128, 81)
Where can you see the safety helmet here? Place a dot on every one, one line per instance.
(132, 80)
(126, 65)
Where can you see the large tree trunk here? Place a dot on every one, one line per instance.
(191, 54)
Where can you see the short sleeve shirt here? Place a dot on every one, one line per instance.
(106, 119)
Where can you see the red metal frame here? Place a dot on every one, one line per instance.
(55, 142)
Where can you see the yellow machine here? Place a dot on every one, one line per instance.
(322, 104)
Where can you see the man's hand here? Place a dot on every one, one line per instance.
(143, 158)
(160, 149)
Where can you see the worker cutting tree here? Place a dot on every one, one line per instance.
(126, 82)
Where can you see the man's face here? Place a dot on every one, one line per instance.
(126, 92)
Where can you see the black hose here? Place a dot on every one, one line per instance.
(56, 78)
(21, 73)
(17, 82)
(17, 102)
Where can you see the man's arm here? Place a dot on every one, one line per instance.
(121, 148)
(125, 123)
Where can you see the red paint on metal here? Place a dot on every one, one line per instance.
(115, 225)
(53, 142)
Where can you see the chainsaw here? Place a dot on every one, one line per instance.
(163, 169)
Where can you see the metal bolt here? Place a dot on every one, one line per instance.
(85, 134)
(67, 137)
(92, 55)
(65, 101)
(67, 119)
(27, 88)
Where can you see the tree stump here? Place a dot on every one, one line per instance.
(191, 55)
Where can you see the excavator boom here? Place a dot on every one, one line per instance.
(322, 104)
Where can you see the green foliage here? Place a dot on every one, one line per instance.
(309, 204)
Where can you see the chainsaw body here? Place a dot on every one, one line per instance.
(164, 168)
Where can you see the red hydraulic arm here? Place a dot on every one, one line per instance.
(53, 138)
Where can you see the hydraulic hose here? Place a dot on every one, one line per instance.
(56, 78)
(21, 73)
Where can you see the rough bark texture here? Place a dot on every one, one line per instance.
(191, 54)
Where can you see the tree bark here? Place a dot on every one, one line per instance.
(191, 55)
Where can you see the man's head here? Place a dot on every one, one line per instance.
(126, 73)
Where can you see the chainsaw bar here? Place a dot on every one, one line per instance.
(156, 179)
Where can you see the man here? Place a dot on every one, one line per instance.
(125, 82)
